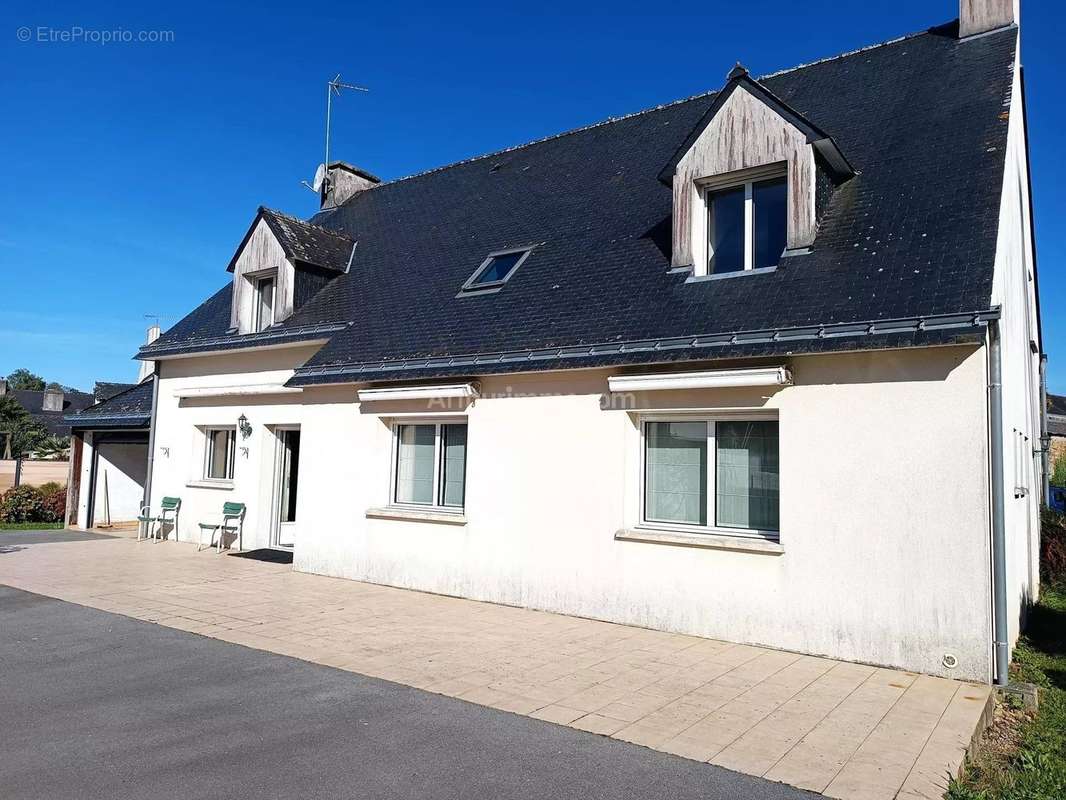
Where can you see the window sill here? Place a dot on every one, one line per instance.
(719, 276)
(416, 515)
(712, 541)
(209, 484)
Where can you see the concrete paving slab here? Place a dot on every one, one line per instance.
(849, 730)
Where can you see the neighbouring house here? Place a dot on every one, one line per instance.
(105, 390)
(759, 365)
(1056, 431)
(49, 406)
(109, 458)
(1056, 426)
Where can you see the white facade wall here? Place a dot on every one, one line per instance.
(884, 504)
(1014, 289)
(179, 438)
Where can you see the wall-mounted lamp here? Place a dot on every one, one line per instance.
(245, 426)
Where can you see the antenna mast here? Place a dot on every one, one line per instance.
(334, 88)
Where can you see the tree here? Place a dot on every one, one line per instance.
(19, 432)
(53, 448)
(24, 379)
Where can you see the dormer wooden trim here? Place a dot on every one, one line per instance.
(260, 254)
(815, 136)
(745, 130)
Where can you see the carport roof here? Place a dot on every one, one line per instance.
(131, 408)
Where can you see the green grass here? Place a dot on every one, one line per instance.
(31, 526)
(1034, 769)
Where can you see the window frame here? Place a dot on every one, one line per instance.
(231, 452)
(711, 528)
(471, 286)
(707, 187)
(257, 306)
(437, 506)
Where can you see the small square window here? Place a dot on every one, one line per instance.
(747, 226)
(219, 454)
(496, 270)
(430, 465)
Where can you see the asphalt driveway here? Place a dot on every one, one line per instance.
(9, 538)
(94, 704)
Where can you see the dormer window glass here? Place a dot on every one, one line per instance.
(746, 226)
(264, 302)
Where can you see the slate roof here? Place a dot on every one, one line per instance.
(52, 421)
(303, 241)
(105, 390)
(911, 238)
(130, 408)
(1056, 404)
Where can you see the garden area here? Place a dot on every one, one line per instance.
(33, 507)
(1022, 756)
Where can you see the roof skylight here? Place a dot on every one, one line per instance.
(496, 269)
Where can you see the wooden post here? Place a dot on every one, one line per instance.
(74, 479)
(18, 470)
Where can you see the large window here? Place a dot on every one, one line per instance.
(746, 226)
(712, 474)
(219, 454)
(264, 302)
(430, 465)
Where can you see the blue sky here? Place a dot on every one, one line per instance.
(131, 171)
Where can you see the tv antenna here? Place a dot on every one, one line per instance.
(333, 87)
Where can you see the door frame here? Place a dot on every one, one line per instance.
(276, 492)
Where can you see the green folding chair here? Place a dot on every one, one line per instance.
(169, 507)
(232, 521)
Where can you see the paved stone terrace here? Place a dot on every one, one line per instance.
(846, 730)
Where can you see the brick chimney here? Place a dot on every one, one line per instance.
(53, 400)
(982, 16)
(343, 182)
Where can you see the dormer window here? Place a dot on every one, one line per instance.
(744, 182)
(495, 270)
(282, 263)
(746, 225)
(265, 290)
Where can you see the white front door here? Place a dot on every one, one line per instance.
(286, 486)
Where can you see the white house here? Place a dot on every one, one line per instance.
(759, 365)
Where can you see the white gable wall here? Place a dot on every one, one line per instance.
(1014, 289)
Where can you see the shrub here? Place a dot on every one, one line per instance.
(1053, 546)
(22, 504)
(1058, 472)
(50, 487)
(55, 505)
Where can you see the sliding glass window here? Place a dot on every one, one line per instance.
(712, 474)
